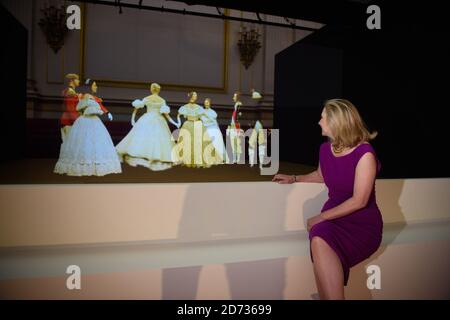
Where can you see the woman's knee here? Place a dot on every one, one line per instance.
(317, 243)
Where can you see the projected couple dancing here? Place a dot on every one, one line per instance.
(87, 148)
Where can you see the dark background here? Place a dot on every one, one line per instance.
(13, 84)
(397, 77)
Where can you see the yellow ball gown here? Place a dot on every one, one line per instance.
(192, 146)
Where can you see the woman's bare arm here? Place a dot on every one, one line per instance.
(315, 176)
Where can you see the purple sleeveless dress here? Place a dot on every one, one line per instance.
(356, 236)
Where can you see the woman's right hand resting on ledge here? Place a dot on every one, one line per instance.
(315, 176)
(284, 178)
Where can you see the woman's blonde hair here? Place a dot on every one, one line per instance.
(346, 125)
(154, 87)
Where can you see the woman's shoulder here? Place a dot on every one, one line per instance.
(183, 109)
(364, 147)
(93, 102)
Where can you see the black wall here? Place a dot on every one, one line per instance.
(301, 85)
(13, 84)
(398, 79)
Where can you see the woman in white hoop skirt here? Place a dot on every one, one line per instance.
(88, 149)
(149, 143)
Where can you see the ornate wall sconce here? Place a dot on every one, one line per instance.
(53, 24)
(249, 45)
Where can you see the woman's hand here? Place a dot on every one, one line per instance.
(313, 221)
(283, 178)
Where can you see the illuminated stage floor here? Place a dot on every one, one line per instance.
(31, 171)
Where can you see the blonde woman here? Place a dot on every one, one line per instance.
(349, 228)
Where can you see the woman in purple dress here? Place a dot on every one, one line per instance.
(349, 228)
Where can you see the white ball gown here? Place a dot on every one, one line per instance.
(149, 143)
(88, 149)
